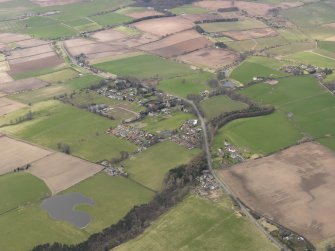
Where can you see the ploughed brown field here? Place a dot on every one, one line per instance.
(164, 26)
(177, 44)
(16, 154)
(251, 34)
(8, 106)
(60, 171)
(210, 58)
(22, 85)
(294, 187)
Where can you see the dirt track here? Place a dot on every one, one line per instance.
(294, 188)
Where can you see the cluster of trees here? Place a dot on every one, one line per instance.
(64, 148)
(177, 184)
(123, 156)
(26, 117)
(233, 19)
(199, 29)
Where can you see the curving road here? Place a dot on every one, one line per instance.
(224, 186)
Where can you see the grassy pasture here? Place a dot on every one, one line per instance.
(14, 192)
(59, 76)
(246, 71)
(83, 131)
(229, 26)
(188, 9)
(111, 19)
(217, 105)
(261, 135)
(190, 84)
(113, 197)
(313, 58)
(149, 167)
(122, 194)
(327, 45)
(162, 123)
(55, 90)
(145, 66)
(311, 106)
(201, 225)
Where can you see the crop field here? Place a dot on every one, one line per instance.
(16, 154)
(250, 34)
(312, 57)
(145, 66)
(109, 206)
(233, 26)
(327, 45)
(55, 90)
(59, 76)
(111, 19)
(252, 135)
(83, 131)
(246, 71)
(205, 225)
(150, 167)
(162, 123)
(311, 107)
(217, 105)
(164, 26)
(177, 44)
(60, 171)
(211, 58)
(8, 106)
(292, 187)
(188, 9)
(22, 85)
(189, 84)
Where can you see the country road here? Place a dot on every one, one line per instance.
(224, 186)
(209, 163)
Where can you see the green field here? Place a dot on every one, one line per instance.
(313, 58)
(111, 19)
(190, 84)
(122, 194)
(150, 167)
(260, 135)
(188, 9)
(246, 71)
(198, 224)
(164, 122)
(145, 66)
(217, 105)
(228, 26)
(113, 197)
(83, 131)
(312, 108)
(59, 76)
(55, 90)
(14, 192)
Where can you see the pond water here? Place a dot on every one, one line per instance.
(62, 207)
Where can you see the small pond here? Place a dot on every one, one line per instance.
(62, 207)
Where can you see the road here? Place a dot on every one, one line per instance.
(224, 186)
(210, 167)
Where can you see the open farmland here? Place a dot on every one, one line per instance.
(145, 66)
(292, 188)
(247, 25)
(111, 19)
(205, 226)
(45, 3)
(22, 85)
(150, 167)
(217, 105)
(8, 106)
(310, 107)
(60, 171)
(164, 26)
(189, 84)
(210, 58)
(314, 58)
(5, 78)
(251, 135)
(84, 132)
(177, 44)
(16, 154)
